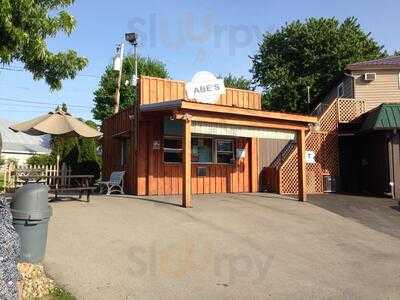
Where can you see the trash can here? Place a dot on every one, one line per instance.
(31, 213)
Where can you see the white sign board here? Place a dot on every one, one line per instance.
(205, 87)
(310, 157)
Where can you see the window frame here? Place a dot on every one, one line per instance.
(212, 150)
(172, 150)
(214, 154)
(232, 141)
(398, 80)
(124, 152)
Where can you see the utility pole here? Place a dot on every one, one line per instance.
(118, 61)
(308, 99)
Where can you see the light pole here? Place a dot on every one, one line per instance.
(118, 62)
(132, 38)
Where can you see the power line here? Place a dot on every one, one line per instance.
(22, 70)
(41, 103)
(47, 108)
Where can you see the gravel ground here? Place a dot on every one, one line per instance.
(227, 247)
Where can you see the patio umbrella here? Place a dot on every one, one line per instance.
(57, 123)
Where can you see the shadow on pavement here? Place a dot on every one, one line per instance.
(380, 214)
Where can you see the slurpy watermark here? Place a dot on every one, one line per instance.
(187, 257)
(201, 32)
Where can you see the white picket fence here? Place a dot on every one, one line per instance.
(12, 174)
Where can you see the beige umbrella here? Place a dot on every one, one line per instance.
(57, 123)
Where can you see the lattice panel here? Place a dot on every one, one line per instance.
(350, 109)
(314, 171)
(326, 148)
(288, 175)
(329, 119)
(330, 146)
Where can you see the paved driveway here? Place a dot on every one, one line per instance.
(229, 246)
(381, 214)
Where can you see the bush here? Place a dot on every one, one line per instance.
(41, 160)
(89, 167)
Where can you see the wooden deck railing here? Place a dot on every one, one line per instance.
(323, 141)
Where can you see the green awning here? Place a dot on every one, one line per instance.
(385, 117)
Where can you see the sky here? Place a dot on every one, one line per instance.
(188, 36)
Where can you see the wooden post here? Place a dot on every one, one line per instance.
(254, 165)
(187, 162)
(301, 164)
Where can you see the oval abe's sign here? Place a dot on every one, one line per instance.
(205, 87)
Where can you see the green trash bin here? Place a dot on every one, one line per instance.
(31, 214)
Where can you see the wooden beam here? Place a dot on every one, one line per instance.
(248, 112)
(244, 121)
(187, 163)
(301, 164)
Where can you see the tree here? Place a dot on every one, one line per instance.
(104, 96)
(41, 160)
(24, 27)
(312, 53)
(396, 53)
(237, 82)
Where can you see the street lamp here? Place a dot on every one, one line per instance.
(132, 38)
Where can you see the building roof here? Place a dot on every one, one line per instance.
(391, 62)
(385, 117)
(13, 142)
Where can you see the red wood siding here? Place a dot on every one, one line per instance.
(114, 130)
(158, 178)
(154, 90)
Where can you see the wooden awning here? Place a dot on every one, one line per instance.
(211, 113)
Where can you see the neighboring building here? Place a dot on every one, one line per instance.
(20, 146)
(374, 82)
(353, 151)
(170, 145)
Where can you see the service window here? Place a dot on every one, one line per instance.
(225, 151)
(172, 149)
(202, 150)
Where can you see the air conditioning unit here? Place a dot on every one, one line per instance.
(369, 76)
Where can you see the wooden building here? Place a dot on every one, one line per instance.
(370, 153)
(169, 145)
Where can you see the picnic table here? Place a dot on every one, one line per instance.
(64, 183)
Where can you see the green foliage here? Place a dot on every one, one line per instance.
(237, 82)
(88, 167)
(24, 27)
(41, 160)
(312, 53)
(74, 151)
(396, 53)
(104, 96)
(60, 294)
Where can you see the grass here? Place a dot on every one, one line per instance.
(60, 294)
(1, 181)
